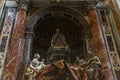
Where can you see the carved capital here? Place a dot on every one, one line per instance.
(92, 4)
(24, 4)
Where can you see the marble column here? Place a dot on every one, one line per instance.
(28, 48)
(16, 49)
(99, 44)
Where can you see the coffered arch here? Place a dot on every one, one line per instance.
(59, 10)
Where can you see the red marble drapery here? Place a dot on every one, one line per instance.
(99, 45)
(16, 48)
(118, 75)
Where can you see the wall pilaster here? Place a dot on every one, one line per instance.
(17, 45)
(99, 45)
(8, 25)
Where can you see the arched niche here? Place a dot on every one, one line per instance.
(71, 23)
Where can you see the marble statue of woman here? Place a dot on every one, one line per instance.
(35, 66)
(94, 67)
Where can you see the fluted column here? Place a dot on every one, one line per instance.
(99, 45)
(16, 48)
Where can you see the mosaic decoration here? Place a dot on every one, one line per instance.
(109, 39)
(5, 35)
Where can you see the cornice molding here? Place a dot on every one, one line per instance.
(70, 3)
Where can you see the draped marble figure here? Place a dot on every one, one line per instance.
(34, 67)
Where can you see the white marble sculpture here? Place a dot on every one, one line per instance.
(34, 67)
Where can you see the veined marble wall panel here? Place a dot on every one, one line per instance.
(8, 24)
